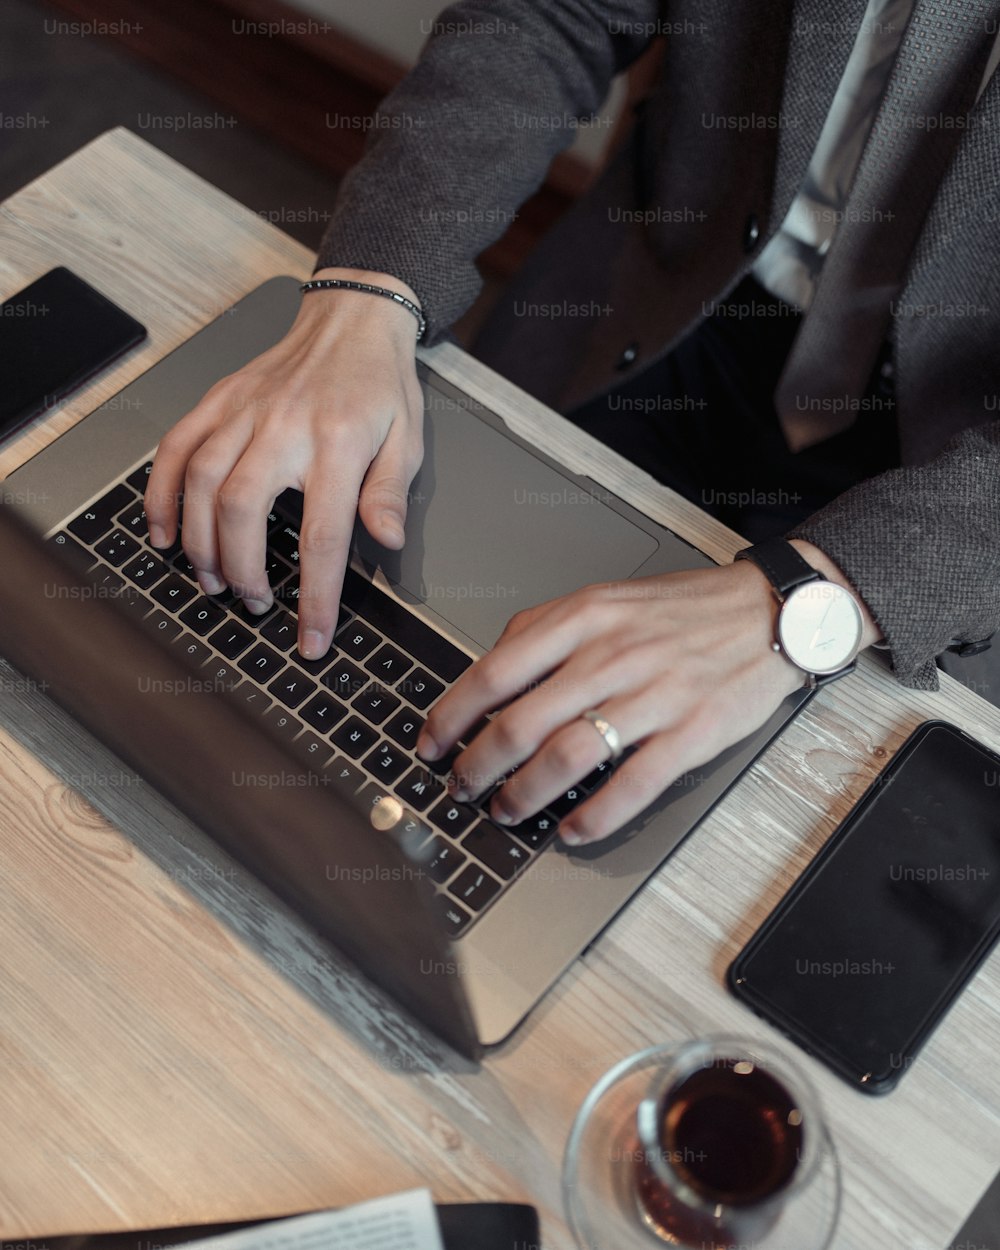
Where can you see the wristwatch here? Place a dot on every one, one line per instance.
(820, 626)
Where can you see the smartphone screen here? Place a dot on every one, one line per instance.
(54, 336)
(864, 955)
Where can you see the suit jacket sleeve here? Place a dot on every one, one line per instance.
(921, 545)
(500, 89)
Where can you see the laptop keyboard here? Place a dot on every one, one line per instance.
(352, 716)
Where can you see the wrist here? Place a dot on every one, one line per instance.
(827, 568)
(361, 310)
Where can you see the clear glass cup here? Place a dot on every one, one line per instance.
(728, 1133)
(711, 1143)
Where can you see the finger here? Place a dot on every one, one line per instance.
(546, 721)
(207, 470)
(331, 501)
(492, 681)
(244, 501)
(166, 478)
(642, 778)
(383, 501)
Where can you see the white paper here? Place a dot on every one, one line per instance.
(404, 1221)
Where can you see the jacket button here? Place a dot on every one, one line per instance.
(751, 232)
(628, 357)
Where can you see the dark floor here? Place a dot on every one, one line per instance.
(71, 89)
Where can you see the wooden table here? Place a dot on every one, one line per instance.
(175, 1047)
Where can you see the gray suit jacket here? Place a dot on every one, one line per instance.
(673, 223)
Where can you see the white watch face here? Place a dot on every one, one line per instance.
(820, 627)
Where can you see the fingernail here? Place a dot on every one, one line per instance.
(458, 792)
(313, 647)
(501, 815)
(392, 527)
(157, 535)
(427, 747)
(570, 836)
(211, 584)
(257, 606)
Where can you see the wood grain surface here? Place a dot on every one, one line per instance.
(175, 1046)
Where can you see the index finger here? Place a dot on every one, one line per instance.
(331, 504)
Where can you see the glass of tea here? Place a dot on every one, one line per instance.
(713, 1143)
(727, 1133)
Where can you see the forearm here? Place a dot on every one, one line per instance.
(921, 547)
(469, 135)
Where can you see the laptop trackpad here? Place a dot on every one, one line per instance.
(491, 529)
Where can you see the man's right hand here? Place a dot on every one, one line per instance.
(335, 410)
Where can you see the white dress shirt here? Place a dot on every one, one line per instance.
(790, 263)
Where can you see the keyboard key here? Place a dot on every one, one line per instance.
(262, 663)
(221, 675)
(184, 566)
(116, 547)
(566, 802)
(106, 582)
(598, 777)
(174, 592)
(231, 638)
(133, 521)
(313, 667)
(323, 711)
(284, 542)
(420, 688)
(404, 728)
(77, 557)
(371, 795)
(354, 737)
(493, 848)
(453, 818)
(455, 918)
(281, 723)
(445, 861)
(375, 703)
(291, 687)
(345, 679)
(145, 570)
(475, 888)
(413, 831)
(425, 644)
(134, 602)
(536, 830)
(192, 651)
(96, 520)
(139, 478)
(203, 616)
(388, 664)
(419, 788)
(386, 762)
(162, 625)
(312, 750)
(275, 569)
(281, 631)
(343, 775)
(251, 697)
(288, 594)
(357, 640)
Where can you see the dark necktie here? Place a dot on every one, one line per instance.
(932, 87)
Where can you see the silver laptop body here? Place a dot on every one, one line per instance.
(494, 526)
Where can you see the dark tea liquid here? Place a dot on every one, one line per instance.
(733, 1135)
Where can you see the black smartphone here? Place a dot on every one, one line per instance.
(55, 335)
(865, 954)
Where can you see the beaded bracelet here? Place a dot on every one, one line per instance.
(342, 284)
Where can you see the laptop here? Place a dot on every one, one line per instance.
(305, 772)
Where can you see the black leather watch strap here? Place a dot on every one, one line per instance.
(780, 563)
